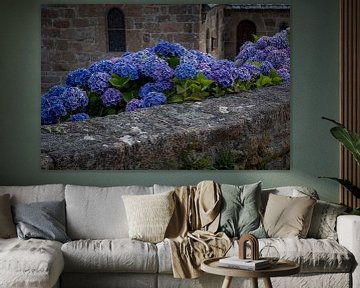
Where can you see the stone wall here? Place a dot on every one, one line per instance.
(249, 130)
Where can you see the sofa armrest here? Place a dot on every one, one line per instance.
(348, 230)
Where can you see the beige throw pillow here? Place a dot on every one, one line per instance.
(288, 217)
(7, 226)
(149, 215)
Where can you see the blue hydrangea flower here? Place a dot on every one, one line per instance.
(79, 117)
(55, 91)
(99, 82)
(134, 104)
(253, 70)
(52, 109)
(74, 98)
(111, 97)
(185, 71)
(157, 69)
(276, 58)
(260, 55)
(104, 66)
(266, 67)
(154, 99)
(163, 85)
(165, 48)
(280, 40)
(246, 53)
(78, 77)
(147, 88)
(284, 74)
(124, 69)
(262, 42)
(243, 74)
(222, 72)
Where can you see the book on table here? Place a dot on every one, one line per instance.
(249, 264)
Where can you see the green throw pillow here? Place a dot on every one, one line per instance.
(240, 213)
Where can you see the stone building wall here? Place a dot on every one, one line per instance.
(74, 36)
(267, 22)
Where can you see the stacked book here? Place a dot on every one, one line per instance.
(248, 264)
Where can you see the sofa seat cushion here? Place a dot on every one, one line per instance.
(30, 263)
(110, 255)
(313, 255)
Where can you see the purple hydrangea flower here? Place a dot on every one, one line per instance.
(134, 104)
(163, 85)
(284, 74)
(74, 98)
(154, 99)
(247, 50)
(253, 70)
(99, 82)
(79, 117)
(262, 42)
(260, 55)
(124, 69)
(78, 77)
(52, 109)
(243, 74)
(266, 67)
(222, 72)
(157, 69)
(111, 97)
(165, 48)
(185, 71)
(276, 58)
(280, 40)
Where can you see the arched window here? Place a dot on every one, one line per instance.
(207, 40)
(245, 31)
(116, 30)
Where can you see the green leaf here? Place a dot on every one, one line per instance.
(348, 138)
(173, 61)
(119, 82)
(176, 98)
(127, 96)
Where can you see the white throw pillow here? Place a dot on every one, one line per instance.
(149, 215)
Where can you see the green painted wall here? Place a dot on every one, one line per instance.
(315, 72)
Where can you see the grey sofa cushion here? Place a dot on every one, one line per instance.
(98, 213)
(34, 193)
(313, 255)
(30, 263)
(117, 255)
(44, 220)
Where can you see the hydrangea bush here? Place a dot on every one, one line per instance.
(165, 73)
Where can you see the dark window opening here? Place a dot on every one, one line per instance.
(245, 31)
(116, 30)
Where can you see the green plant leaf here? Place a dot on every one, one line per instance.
(127, 96)
(176, 98)
(348, 138)
(119, 82)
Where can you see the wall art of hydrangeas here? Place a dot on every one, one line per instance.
(163, 74)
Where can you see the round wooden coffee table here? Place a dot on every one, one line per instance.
(281, 268)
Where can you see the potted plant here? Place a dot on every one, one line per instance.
(351, 141)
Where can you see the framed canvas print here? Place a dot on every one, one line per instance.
(165, 87)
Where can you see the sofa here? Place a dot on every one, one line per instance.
(99, 252)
